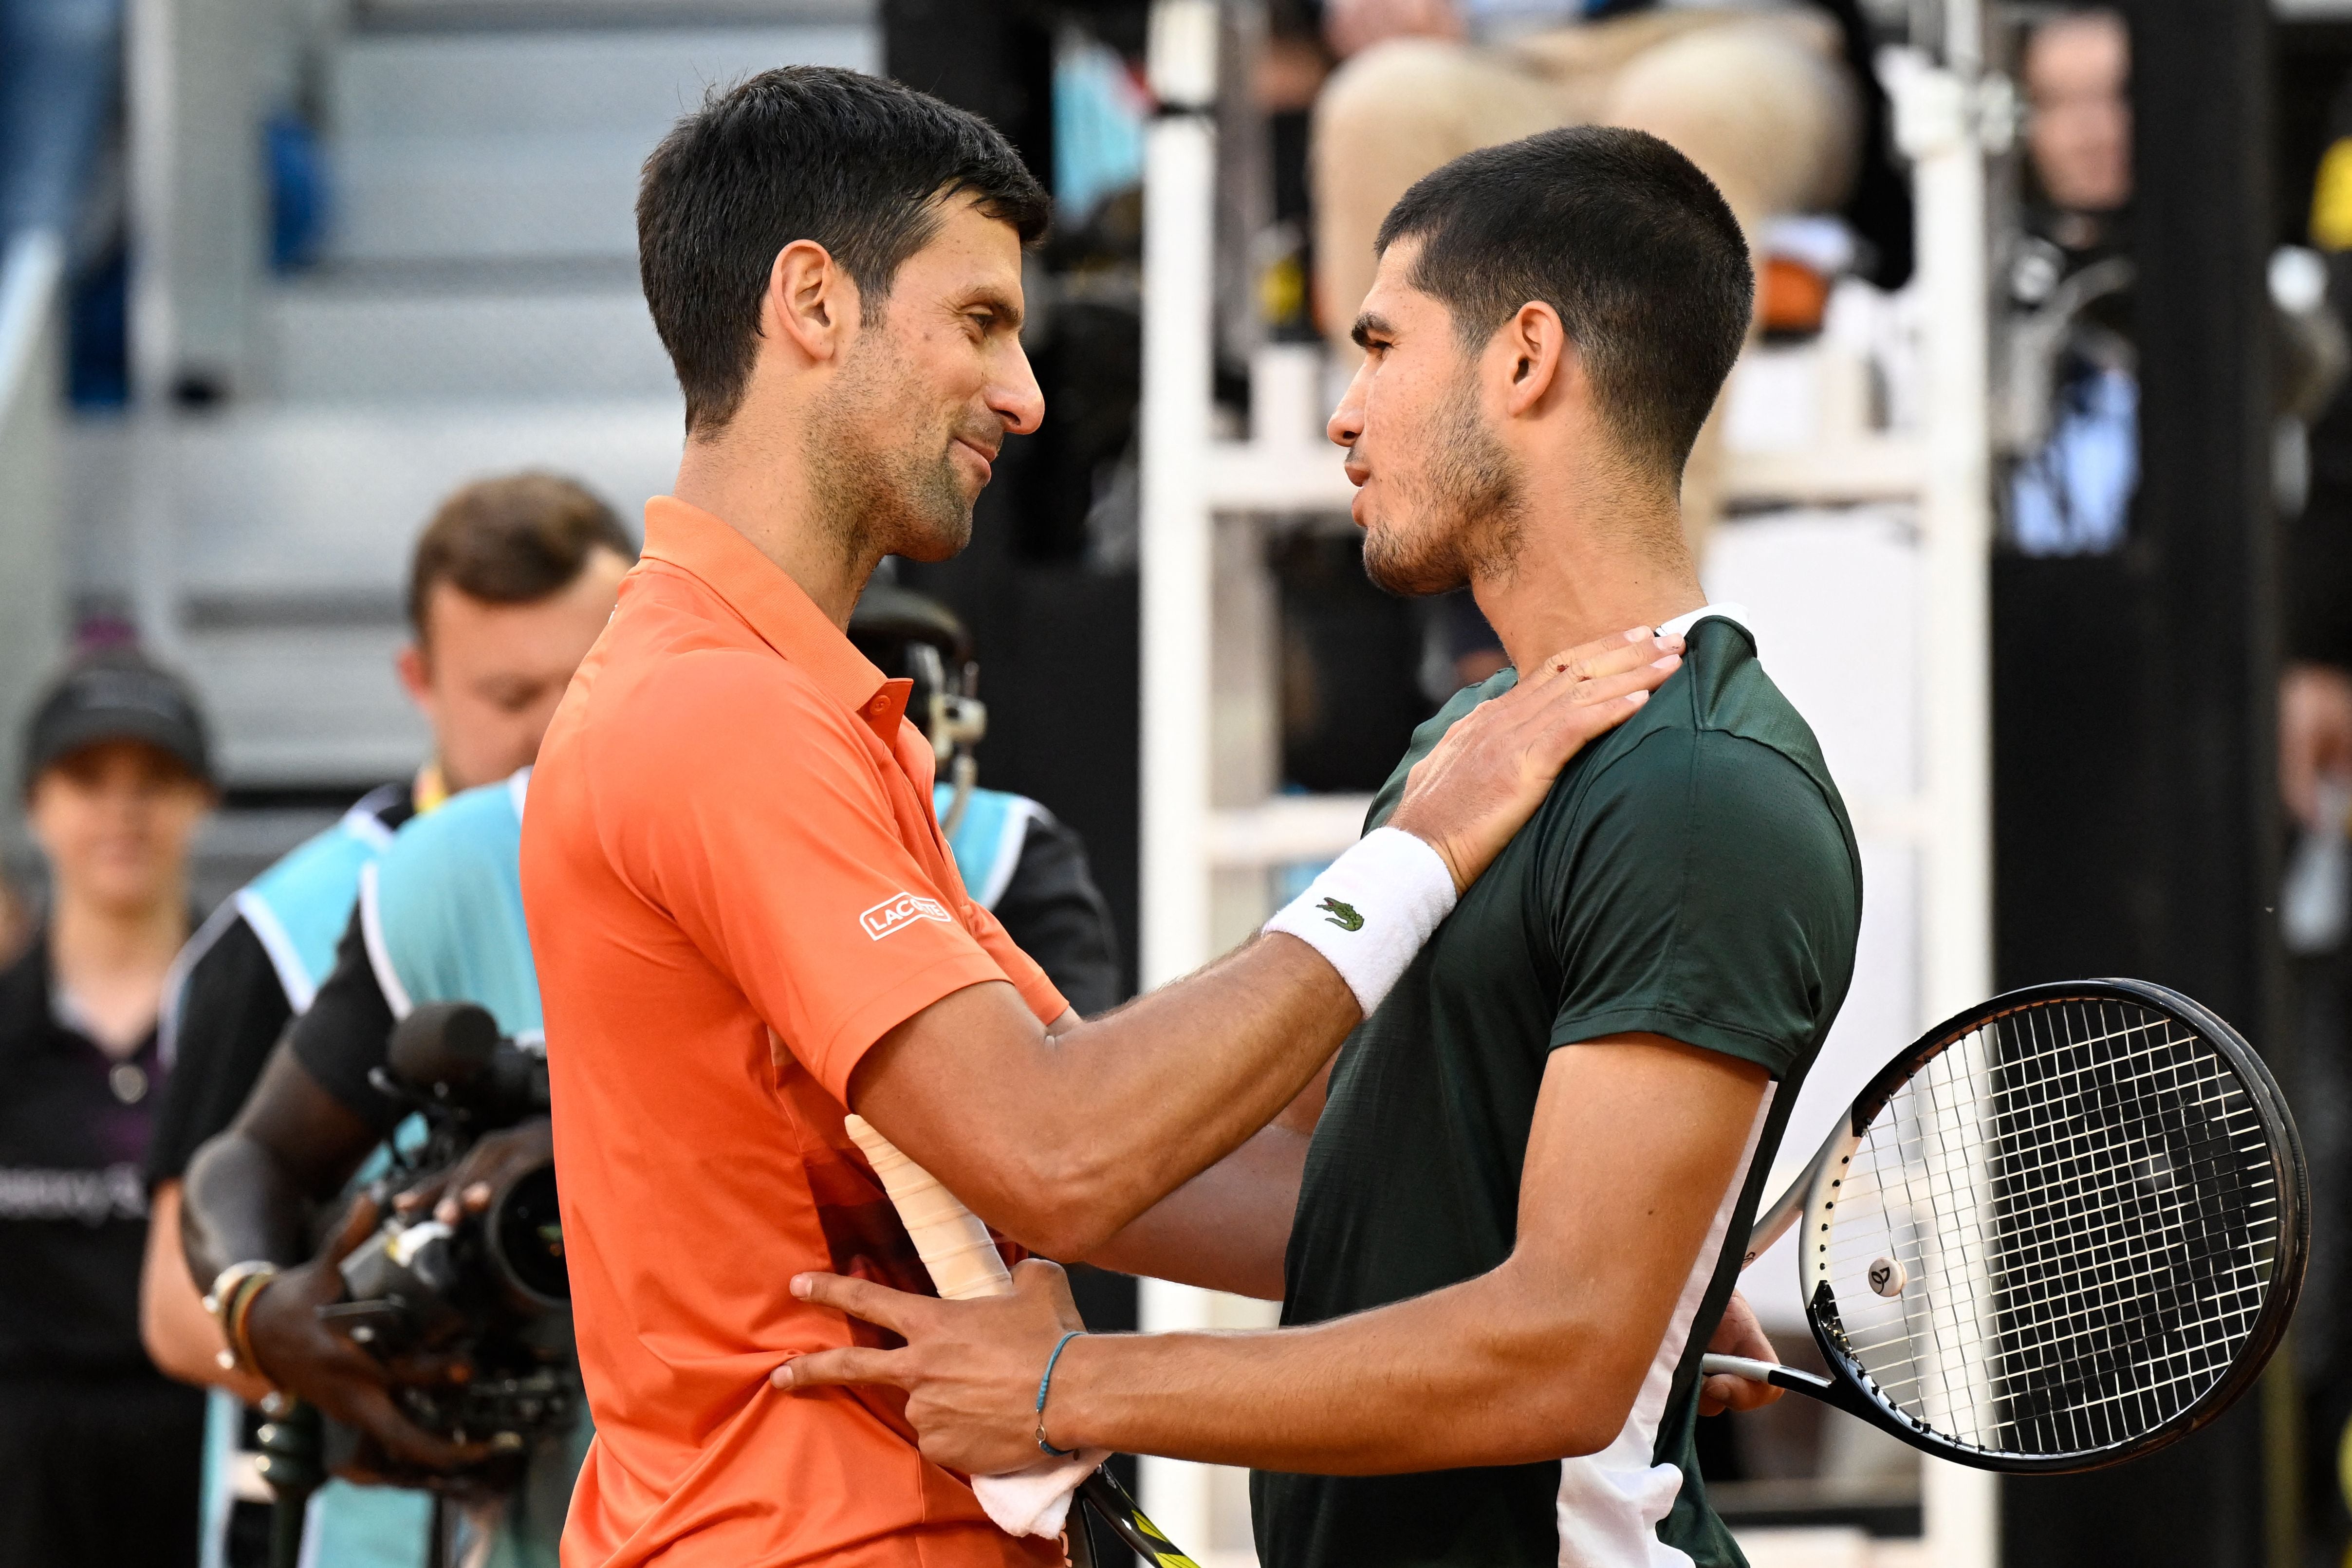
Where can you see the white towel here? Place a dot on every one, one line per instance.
(1036, 1501)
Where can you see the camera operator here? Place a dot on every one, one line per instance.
(509, 585)
(439, 919)
(99, 1454)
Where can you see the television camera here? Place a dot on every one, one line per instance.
(487, 1296)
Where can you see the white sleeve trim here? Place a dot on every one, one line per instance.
(387, 978)
(1014, 833)
(1739, 615)
(294, 977)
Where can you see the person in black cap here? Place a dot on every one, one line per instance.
(99, 1452)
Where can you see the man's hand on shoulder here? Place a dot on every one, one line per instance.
(1479, 785)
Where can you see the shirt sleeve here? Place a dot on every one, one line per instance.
(1711, 898)
(230, 1014)
(768, 833)
(347, 1034)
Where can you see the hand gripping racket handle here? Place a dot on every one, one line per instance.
(964, 1263)
(1796, 1380)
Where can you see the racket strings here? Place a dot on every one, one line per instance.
(2103, 1313)
(2081, 1201)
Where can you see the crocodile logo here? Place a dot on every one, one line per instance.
(1342, 915)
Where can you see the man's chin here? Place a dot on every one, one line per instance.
(1396, 568)
(936, 540)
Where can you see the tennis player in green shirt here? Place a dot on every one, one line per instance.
(1507, 1227)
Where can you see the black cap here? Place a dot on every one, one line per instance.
(117, 694)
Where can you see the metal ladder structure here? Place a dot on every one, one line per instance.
(1212, 826)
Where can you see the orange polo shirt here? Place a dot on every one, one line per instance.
(731, 833)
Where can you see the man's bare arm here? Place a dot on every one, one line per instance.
(250, 1191)
(182, 1338)
(1228, 1228)
(1636, 1139)
(1061, 1140)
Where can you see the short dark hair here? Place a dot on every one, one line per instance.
(515, 539)
(854, 163)
(1618, 232)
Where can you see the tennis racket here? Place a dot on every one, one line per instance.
(963, 1262)
(2064, 1229)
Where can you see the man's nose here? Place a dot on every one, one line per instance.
(1346, 425)
(1017, 398)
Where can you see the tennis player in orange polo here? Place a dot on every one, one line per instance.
(745, 918)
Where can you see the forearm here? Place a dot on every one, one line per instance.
(251, 1191)
(1484, 1373)
(182, 1338)
(1062, 1141)
(1225, 1229)
(241, 1205)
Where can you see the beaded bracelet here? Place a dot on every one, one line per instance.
(1044, 1385)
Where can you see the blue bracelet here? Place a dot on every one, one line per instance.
(1046, 1383)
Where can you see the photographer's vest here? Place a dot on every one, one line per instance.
(442, 913)
(440, 907)
(298, 908)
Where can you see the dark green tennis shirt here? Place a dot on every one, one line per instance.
(1691, 874)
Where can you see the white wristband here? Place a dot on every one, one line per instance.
(1371, 909)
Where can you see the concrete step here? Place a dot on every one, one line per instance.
(534, 332)
(521, 144)
(305, 706)
(266, 550)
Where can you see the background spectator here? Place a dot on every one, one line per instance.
(97, 1450)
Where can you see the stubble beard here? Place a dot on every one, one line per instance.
(883, 495)
(1464, 521)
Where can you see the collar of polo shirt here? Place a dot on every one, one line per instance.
(776, 608)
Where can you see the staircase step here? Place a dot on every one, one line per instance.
(278, 500)
(284, 538)
(524, 337)
(528, 143)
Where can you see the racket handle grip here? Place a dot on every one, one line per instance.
(1795, 1379)
(949, 1238)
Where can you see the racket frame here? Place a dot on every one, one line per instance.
(1850, 1388)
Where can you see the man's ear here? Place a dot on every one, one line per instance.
(811, 303)
(415, 675)
(1534, 349)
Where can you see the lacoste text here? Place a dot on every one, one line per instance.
(901, 910)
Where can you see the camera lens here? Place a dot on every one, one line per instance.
(526, 1239)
